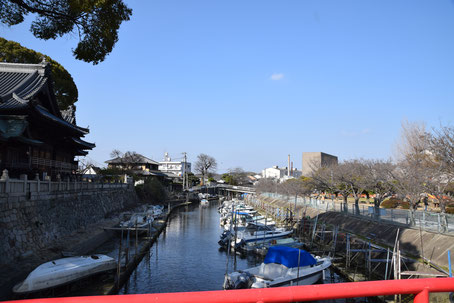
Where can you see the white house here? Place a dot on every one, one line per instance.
(174, 167)
(274, 172)
(280, 174)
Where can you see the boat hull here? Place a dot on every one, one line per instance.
(64, 271)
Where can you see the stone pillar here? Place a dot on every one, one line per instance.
(38, 182)
(5, 177)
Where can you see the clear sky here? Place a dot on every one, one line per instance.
(249, 82)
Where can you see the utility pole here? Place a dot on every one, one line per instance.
(184, 170)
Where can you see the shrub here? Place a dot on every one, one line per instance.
(450, 210)
(390, 203)
(404, 205)
(151, 191)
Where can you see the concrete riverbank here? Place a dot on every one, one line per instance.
(413, 242)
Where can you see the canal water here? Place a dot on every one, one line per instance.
(187, 257)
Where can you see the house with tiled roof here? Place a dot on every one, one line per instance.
(35, 137)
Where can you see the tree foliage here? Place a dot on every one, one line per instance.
(151, 191)
(64, 87)
(96, 22)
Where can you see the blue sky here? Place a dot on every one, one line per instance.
(249, 82)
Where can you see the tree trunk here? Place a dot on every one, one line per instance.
(377, 202)
(443, 217)
(412, 214)
(357, 211)
(345, 197)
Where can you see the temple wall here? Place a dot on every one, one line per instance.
(30, 222)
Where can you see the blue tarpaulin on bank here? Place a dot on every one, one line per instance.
(288, 256)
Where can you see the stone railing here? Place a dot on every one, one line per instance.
(24, 186)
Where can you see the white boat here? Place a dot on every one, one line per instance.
(261, 236)
(62, 271)
(155, 211)
(204, 202)
(139, 220)
(283, 266)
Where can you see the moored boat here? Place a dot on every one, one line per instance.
(283, 266)
(63, 271)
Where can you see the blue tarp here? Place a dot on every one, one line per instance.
(288, 256)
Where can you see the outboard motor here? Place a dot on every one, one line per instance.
(225, 233)
(239, 244)
(225, 240)
(243, 281)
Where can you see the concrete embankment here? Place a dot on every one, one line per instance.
(413, 242)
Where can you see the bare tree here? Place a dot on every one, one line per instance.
(378, 180)
(204, 165)
(323, 180)
(297, 187)
(266, 185)
(441, 162)
(353, 175)
(414, 167)
(125, 161)
(409, 180)
(413, 140)
(239, 176)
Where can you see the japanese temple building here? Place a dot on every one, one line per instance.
(35, 136)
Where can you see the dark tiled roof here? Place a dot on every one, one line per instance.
(83, 143)
(132, 159)
(42, 111)
(20, 81)
(10, 80)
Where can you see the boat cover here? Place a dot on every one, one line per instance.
(288, 256)
(242, 213)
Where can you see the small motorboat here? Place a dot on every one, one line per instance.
(63, 271)
(139, 220)
(260, 236)
(204, 202)
(283, 266)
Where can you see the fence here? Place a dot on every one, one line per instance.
(16, 186)
(425, 220)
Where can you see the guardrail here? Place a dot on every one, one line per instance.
(226, 187)
(428, 221)
(419, 287)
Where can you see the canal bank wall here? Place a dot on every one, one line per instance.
(129, 268)
(31, 222)
(413, 241)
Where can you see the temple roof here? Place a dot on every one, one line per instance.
(21, 82)
(20, 88)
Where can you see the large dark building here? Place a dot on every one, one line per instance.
(35, 137)
(315, 160)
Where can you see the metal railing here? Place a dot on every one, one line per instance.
(426, 220)
(418, 287)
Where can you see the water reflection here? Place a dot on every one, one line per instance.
(187, 257)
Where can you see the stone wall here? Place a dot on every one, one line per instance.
(33, 221)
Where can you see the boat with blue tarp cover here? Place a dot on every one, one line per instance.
(283, 266)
